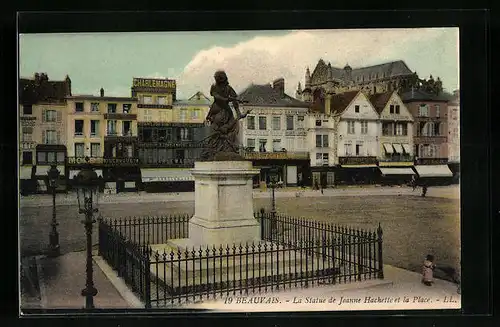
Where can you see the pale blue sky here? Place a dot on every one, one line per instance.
(111, 60)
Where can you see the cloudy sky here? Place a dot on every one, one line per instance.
(111, 60)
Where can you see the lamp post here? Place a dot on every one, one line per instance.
(274, 181)
(53, 175)
(87, 186)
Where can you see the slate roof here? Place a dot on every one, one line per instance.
(267, 96)
(389, 69)
(196, 99)
(339, 102)
(32, 91)
(419, 95)
(379, 100)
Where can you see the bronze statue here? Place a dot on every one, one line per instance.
(222, 142)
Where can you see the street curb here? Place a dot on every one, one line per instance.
(41, 282)
(118, 283)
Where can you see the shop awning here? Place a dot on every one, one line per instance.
(397, 148)
(166, 175)
(397, 171)
(388, 148)
(358, 166)
(42, 170)
(407, 148)
(25, 172)
(433, 171)
(73, 173)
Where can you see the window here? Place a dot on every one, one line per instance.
(276, 123)
(322, 141)
(356, 108)
(262, 145)
(196, 114)
(428, 129)
(27, 134)
(60, 157)
(129, 150)
(147, 99)
(437, 129)
(95, 149)
(51, 157)
(111, 108)
(251, 122)
(112, 127)
(300, 121)
(27, 158)
(318, 122)
(49, 116)
(79, 149)
(350, 127)
(251, 144)
(359, 148)
(79, 106)
(127, 128)
(41, 157)
(183, 114)
(438, 111)
(262, 122)
(147, 135)
(184, 133)
(289, 123)
(423, 110)
(162, 100)
(399, 129)
(276, 145)
(27, 110)
(322, 158)
(348, 148)
(391, 109)
(405, 129)
(94, 107)
(364, 127)
(386, 129)
(94, 128)
(397, 109)
(147, 115)
(126, 108)
(78, 127)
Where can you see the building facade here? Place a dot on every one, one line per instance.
(358, 137)
(396, 157)
(274, 134)
(104, 129)
(42, 130)
(170, 137)
(454, 128)
(430, 135)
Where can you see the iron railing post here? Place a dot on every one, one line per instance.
(380, 259)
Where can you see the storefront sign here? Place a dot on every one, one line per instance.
(276, 155)
(103, 161)
(154, 83)
(357, 160)
(432, 161)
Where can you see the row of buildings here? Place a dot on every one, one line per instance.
(324, 136)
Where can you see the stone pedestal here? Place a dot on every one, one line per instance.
(223, 205)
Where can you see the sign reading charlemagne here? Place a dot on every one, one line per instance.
(154, 83)
(103, 161)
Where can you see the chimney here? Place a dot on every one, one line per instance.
(279, 85)
(102, 92)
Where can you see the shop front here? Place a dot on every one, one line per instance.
(158, 180)
(396, 172)
(358, 171)
(46, 155)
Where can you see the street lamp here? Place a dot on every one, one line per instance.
(273, 183)
(87, 187)
(53, 175)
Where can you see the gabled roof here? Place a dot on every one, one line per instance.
(379, 100)
(196, 99)
(267, 96)
(32, 91)
(419, 95)
(341, 101)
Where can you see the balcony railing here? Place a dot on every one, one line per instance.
(278, 155)
(100, 161)
(120, 116)
(398, 159)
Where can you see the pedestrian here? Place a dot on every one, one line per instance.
(424, 190)
(413, 183)
(428, 270)
(322, 189)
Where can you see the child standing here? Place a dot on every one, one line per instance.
(428, 270)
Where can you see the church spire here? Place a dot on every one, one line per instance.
(308, 78)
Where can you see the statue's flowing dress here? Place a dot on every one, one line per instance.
(224, 128)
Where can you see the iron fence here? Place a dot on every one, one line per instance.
(293, 253)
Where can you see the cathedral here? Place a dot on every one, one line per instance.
(326, 79)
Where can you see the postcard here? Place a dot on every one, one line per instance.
(240, 171)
